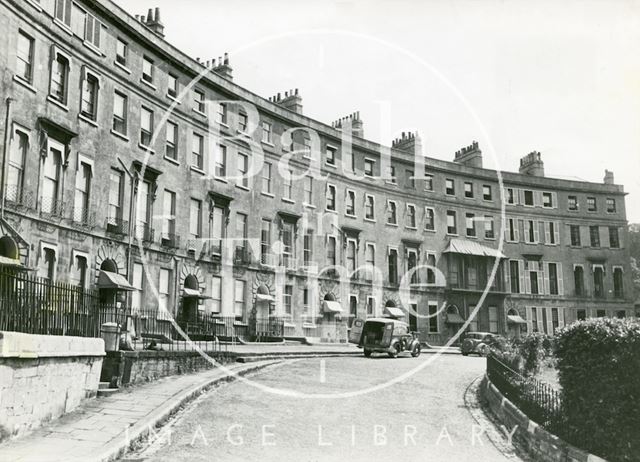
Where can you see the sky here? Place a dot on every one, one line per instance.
(561, 78)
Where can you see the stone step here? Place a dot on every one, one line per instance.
(103, 385)
(107, 392)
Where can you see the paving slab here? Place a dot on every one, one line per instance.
(103, 428)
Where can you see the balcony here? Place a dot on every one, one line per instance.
(289, 262)
(17, 199)
(268, 259)
(170, 241)
(242, 256)
(51, 209)
(145, 232)
(117, 226)
(83, 218)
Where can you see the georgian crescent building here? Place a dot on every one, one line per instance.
(129, 163)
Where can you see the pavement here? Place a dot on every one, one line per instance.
(102, 429)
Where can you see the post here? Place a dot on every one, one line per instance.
(7, 140)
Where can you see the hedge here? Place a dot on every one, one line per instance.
(598, 362)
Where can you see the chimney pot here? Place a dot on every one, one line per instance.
(157, 18)
(150, 15)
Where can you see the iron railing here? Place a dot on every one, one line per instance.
(145, 232)
(83, 218)
(16, 198)
(170, 240)
(539, 401)
(117, 226)
(51, 208)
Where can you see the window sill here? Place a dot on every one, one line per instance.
(146, 148)
(428, 190)
(487, 200)
(330, 211)
(430, 231)
(395, 225)
(288, 201)
(200, 113)
(486, 238)
(174, 99)
(197, 170)
(221, 179)
(243, 187)
(412, 228)
(268, 143)
(148, 84)
(309, 206)
(88, 120)
(34, 4)
(328, 165)
(370, 220)
(349, 215)
(123, 67)
(57, 103)
(172, 160)
(93, 48)
(120, 135)
(25, 84)
(266, 194)
(63, 26)
(452, 234)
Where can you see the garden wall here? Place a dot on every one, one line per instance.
(541, 444)
(43, 377)
(122, 368)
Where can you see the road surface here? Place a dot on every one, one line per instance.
(422, 418)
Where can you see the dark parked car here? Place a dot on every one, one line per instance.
(478, 342)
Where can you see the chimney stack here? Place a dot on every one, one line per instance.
(608, 177)
(470, 156)
(352, 123)
(223, 68)
(152, 21)
(408, 142)
(532, 164)
(292, 100)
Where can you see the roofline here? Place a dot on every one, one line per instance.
(181, 59)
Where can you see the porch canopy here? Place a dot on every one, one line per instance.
(193, 293)
(10, 262)
(110, 280)
(454, 318)
(466, 247)
(265, 298)
(329, 306)
(515, 319)
(394, 312)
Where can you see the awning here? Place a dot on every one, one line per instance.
(6, 261)
(394, 312)
(265, 298)
(515, 319)
(331, 307)
(193, 293)
(454, 318)
(465, 247)
(110, 280)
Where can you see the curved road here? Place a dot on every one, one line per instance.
(423, 418)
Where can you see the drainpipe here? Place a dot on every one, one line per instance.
(132, 181)
(7, 140)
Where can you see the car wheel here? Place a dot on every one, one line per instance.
(465, 354)
(394, 352)
(367, 353)
(483, 350)
(417, 349)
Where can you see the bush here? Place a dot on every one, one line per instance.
(598, 362)
(534, 348)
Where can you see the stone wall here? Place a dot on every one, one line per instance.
(123, 368)
(43, 377)
(541, 444)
